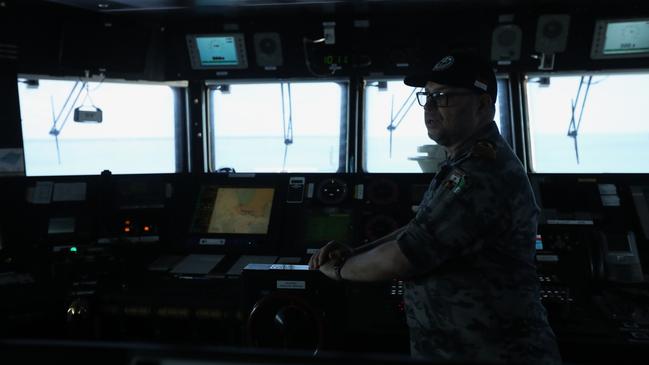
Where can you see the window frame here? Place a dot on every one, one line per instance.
(504, 99)
(179, 92)
(525, 107)
(343, 140)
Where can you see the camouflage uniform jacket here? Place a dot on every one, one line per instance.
(474, 294)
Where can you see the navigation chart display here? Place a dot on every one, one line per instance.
(233, 210)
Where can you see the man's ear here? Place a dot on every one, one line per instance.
(486, 107)
(485, 101)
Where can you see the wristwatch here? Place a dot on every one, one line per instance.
(338, 268)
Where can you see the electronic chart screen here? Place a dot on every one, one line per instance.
(233, 210)
(217, 51)
(621, 39)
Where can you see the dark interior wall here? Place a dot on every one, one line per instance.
(62, 41)
(580, 36)
(382, 47)
(10, 128)
(59, 40)
(414, 35)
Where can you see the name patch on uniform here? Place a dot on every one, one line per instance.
(456, 181)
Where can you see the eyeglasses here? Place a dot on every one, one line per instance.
(438, 98)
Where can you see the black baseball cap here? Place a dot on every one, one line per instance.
(465, 70)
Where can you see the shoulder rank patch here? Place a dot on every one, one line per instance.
(456, 181)
(484, 150)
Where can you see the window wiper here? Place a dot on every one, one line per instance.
(573, 128)
(54, 131)
(401, 113)
(287, 127)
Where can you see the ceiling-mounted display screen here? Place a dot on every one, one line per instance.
(217, 51)
(621, 38)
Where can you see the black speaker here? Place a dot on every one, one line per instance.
(552, 33)
(506, 43)
(268, 49)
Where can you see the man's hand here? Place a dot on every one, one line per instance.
(329, 269)
(332, 252)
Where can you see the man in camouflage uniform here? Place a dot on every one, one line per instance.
(472, 292)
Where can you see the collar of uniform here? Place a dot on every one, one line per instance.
(464, 151)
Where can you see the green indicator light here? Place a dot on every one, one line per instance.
(73, 249)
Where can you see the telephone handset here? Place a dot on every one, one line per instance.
(596, 256)
(613, 256)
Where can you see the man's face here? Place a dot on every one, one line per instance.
(448, 125)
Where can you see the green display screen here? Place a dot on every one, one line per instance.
(325, 227)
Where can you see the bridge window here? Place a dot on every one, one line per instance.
(135, 135)
(588, 123)
(394, 127)
(278, 126)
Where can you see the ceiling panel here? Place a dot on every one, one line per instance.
(111, 6)
(197, 7)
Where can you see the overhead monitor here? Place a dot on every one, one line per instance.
(217, 51)
(232, 216)
(620, 38)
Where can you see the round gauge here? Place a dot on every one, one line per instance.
(332, 191)
(383, 191)
(378, 226)
(285, 321)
